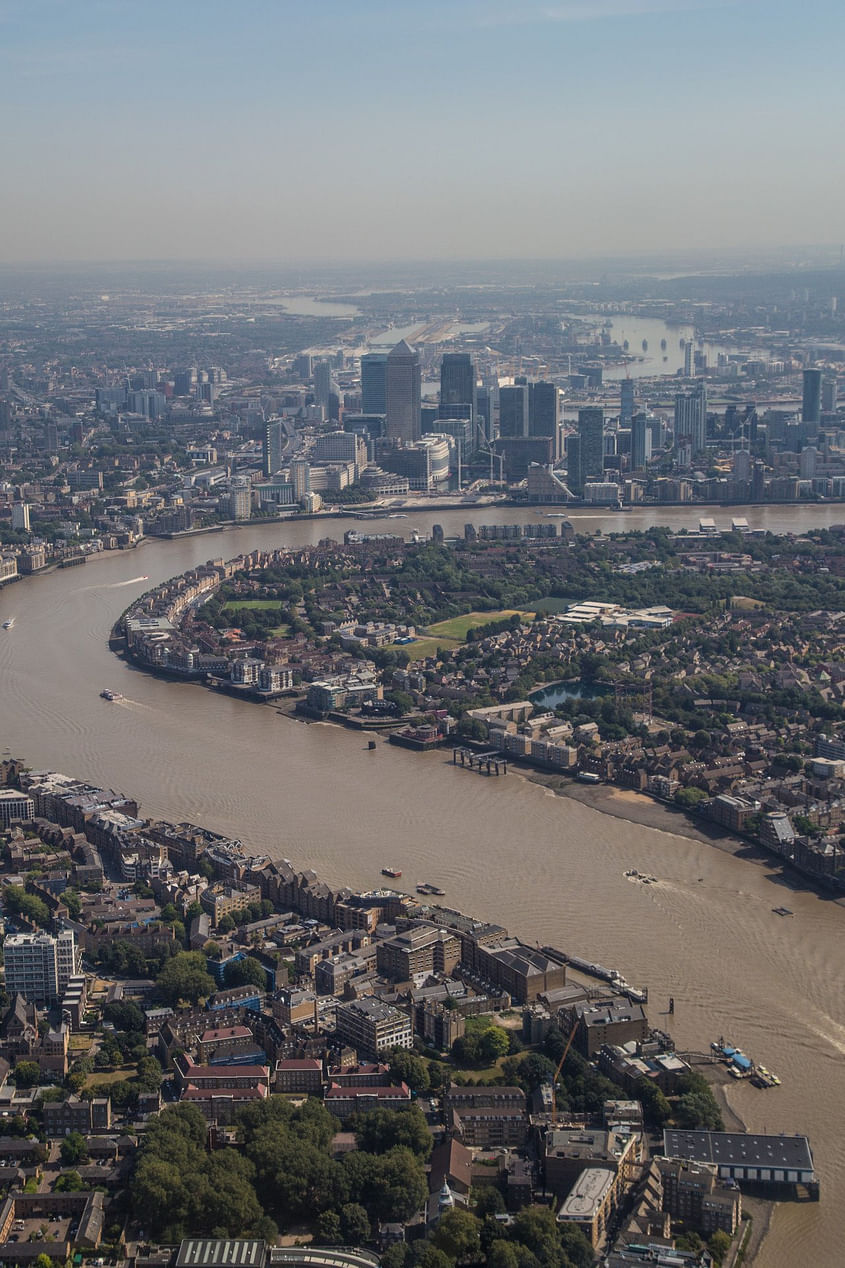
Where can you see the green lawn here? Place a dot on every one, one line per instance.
(457, 626)
(422, 647)
(237, 605)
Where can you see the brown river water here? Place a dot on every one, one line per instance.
(547, 867)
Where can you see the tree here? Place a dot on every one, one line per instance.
(27, 1074)
(184, 977)
(493, 1043)
(124, 1015)
(245, 972)
(381, 1130)
(407, 1067)
(328, 1228)
(488, 1201)
(502, 1255)
(719, 1245)
(73, 1149)
(69, 1182)
(457, 1235)
(19, 902)
(354, 1224)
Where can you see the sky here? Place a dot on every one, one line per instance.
(331, 130)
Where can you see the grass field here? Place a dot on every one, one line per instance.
(422, 647)
(111, 1076)
(456, 627)
(237, 605)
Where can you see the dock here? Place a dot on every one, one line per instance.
(485, 763)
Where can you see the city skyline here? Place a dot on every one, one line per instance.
(306, 133)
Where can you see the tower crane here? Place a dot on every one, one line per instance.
(557, 1072)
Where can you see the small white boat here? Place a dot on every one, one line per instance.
(9, 624)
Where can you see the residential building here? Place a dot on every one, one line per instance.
(15, 807)
(371, 1026)
(38, 965)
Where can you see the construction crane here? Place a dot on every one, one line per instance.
(557, 1073)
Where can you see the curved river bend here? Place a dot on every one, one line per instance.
(549, 868)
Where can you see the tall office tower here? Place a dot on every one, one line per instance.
(689, 359)
(52, 438)
(457, 384)
(486, 411)
(403, 386)
(591, 446)
(373, 383)
(513, 410)
(640, 442)
(829, 394)
(323, 383)
(272, 446)
(691, 417)
(300, 477)
(811, 402)
(626, 408)
(39, 966)
(542, 409)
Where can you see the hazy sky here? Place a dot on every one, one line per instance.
(398, 129)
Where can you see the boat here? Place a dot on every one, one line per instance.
(371, 745)
(394, 872)
(645, 345)
(110, 695)
(427, 888)
(783, 911)
(663, 346)
(7, 625)
(587, 777)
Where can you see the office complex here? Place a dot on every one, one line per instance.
(403, 387)
(323, 385)
(374, 383)
(38, 965)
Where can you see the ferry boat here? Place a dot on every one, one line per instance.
(7, 625)
(110, 695)
(393, 872)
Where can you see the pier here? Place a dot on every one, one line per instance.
(485, 763)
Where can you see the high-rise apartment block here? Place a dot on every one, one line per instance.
(590, 446)
(39, 966)
(403, 387)
(272, 446)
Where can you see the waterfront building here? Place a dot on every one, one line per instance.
(38, 965)
(15, 806)
(640, 441)
(588, 456)
(403, 385)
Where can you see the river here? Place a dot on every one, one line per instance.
(549, 868)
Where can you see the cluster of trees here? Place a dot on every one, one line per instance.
(283, 1174)
(20, 903)
(533, 1240)
(126, 959)
(185, 977)
(480, 1047)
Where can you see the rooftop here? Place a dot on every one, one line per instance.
(740, 1149)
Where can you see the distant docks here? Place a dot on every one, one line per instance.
(485, 763)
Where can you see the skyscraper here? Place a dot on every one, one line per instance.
(626, 410)
(640, 442)
(689, 359)
(272, 446)
(591, 446)
(513, 410)
(403, 387)
(811, 403)
(457, 383)
(373, 383)
(691, 417)
(323, 383)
